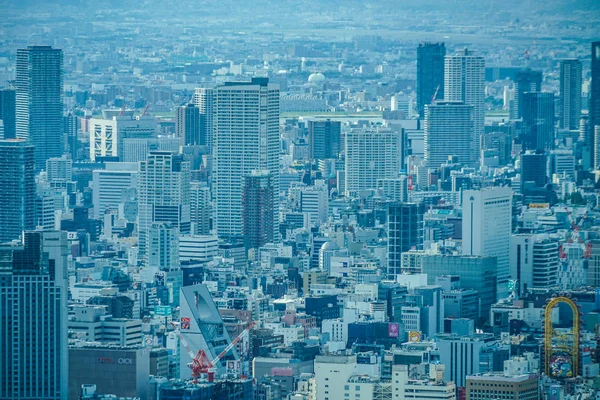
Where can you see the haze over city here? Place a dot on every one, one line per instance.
(312, 200)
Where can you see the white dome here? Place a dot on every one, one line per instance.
(316, 78)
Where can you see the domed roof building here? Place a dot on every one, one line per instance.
(316, 78)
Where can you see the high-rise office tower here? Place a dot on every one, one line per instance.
(257, 200)
(534, 169)
(204, 99)
(246, 128)
(371, 154)
(17, 180)
(449, 131)
(464, 80)
(538, 121)
(109, 135)
(33, 327)
(187, 125)
(163, 246)
(596, 148)
(526, 81)
(486, 228)
(534, 262)
(430, 73)
(405, 232)
(8, 113)
(70, 129)
(594, 113)
(570, 94)
(111, 186)
(324, 139)
(200, 208)
(39, 100)
(163, 194)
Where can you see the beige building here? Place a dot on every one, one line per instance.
(484, 387)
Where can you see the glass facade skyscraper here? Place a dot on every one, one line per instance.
(33, 323)
(39, 101)
(17, 180)
(430, 73)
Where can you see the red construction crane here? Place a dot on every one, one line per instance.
(435, 95)
(123, 109)
(145, 109)
(200, 364)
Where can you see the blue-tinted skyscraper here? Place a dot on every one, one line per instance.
(33, 318)
(39, 101)
(17, 197)
(8, 113)
(430, 73)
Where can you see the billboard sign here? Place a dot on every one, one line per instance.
(163, 311)
(393, 330)
(185, 323)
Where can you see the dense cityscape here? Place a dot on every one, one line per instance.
(274, 200)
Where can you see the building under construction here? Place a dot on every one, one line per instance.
(237, 389)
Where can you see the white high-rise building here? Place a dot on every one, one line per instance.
(534, 262)
(163, 194)
(464, 80)
(110, 185)
(449, 131)
(200, 248)
(312, 200)
(107, 135)
(246, 138)
(395, 189)
(371, 155)
(205, 101)
(487, 226)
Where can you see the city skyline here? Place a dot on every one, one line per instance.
(299, 200)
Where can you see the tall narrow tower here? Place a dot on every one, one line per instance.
(430, 73)
(39, 101)
(464, 80)
(17, 180)
(163, 194)
(487, 226)
(187, 126)
(204, 100)
(246, 127)
(570, 94)
(258, 201)
(594, 114)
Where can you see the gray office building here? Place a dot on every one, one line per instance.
(526, 81)
(187, 125)
(538, 121)
(115, 370)
(324, 139)
(33, 327)
(405, 232)
(17, 180)
(39, 101)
